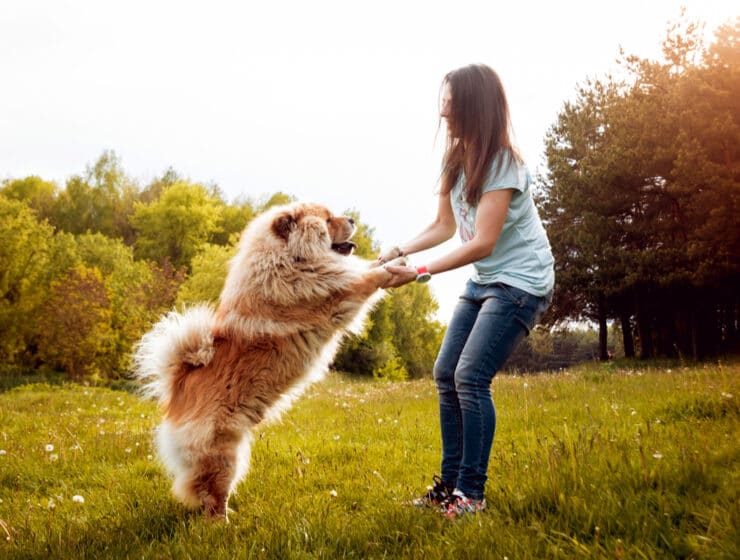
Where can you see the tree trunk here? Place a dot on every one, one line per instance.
(603, 332)
(627, 340)
(644, 332)
(694, 336)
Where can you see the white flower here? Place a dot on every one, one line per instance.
(333, 493)
(526, 385)
(2, 452)
(49, 448)
(658, 455)
(336, 437)
(78, 499)
(53, 457)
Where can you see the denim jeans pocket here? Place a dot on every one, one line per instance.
(532, 308)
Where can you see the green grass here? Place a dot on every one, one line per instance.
(612, 461)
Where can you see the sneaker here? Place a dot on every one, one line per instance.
(459, 505)
(435, 496)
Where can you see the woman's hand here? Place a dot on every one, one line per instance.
(401, 275)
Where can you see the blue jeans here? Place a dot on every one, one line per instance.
(487, 324)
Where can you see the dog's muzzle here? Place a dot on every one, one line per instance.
(345, 248)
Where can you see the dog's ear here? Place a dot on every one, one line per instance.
(283, 224)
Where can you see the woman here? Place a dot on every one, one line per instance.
(485, 195)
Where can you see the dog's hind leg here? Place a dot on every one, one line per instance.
(214, 475)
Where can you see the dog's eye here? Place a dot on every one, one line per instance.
(328, 220)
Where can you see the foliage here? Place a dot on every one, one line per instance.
(177, 224)
(551, 349)
(209, 269)
(143, 251)
(102, 200)
(391, 370)
(76, 334)
(641, 199)
(24, 257)
(617, 460)
(38, 194)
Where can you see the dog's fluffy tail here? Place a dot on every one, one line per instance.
(177, 339)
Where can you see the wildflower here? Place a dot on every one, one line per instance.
(2, 452)
(336, 437)
(49, 448)
(333, 493)
(633, 412)
(726, 395)
(526, 385)
(53, 457)
(78, 499)
(658, 455)
(380, 420)
(127, 450)
(52, 504)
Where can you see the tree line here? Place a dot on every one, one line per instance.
(86, 269)
(641, 199)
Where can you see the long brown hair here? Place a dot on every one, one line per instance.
(478, 128)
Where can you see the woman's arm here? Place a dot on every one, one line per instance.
(439, 231)
(489, 221)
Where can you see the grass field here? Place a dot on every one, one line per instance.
(606, 461)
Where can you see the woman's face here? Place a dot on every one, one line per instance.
(445, 109)
(446, 104)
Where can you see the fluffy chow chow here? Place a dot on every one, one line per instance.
(291, 292)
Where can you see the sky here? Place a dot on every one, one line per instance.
(329, 101)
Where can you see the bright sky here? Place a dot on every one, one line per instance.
(331, 101)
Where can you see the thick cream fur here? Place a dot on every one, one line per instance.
(286, 303)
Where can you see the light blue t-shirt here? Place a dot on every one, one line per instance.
(522, 257)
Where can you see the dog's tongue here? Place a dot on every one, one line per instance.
(345, 248)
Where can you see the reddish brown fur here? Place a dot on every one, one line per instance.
(282, 310)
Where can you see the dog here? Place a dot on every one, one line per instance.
(292, 291)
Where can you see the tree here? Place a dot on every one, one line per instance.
(100, 201)
(177, 224)
(641, 200)
(38, 194)
(207, 276)
(24, 256)
(138, 292)
(77, 335)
